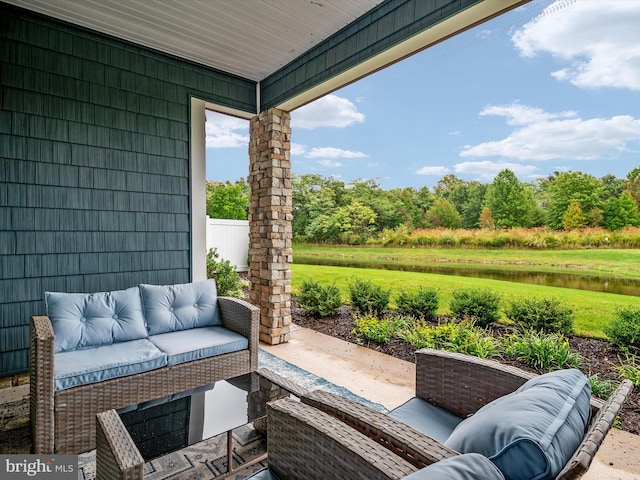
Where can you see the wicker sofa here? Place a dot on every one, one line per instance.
(460, 386)
(102, 351)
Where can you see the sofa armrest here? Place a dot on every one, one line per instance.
(243, 318)
(304, 442)
(461, 383)
(117, 457)
(412, 445)
(41, 376)
(596, 432)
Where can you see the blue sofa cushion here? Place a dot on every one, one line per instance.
(86, 320)
(187, 345)
(532, 432)
(469, 466)
(434, 421)
(169, 308)
(81, 367)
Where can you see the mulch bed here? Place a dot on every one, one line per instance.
(598, 355)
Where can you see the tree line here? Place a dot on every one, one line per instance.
(330, 210)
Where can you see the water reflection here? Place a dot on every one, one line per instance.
(550, 279)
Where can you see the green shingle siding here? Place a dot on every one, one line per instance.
(94, 165)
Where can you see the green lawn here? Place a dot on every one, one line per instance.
(592, 310)
(614, 263)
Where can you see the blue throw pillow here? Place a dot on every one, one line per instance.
(531, 433)
(86, 320)
(169, 308)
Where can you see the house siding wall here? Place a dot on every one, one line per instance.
(94, 166)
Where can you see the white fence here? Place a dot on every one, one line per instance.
(231, 239)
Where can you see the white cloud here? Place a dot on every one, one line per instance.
(331, 152)
(224, 131)
(330, 163)
(432, 171)
(328, 111)
(518, 114)
(298, 149)
(542, 135)
(599, 39)
(487, 170)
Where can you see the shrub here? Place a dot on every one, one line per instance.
(319, 300)
(624, 328)
(366, 297)
(481, 305)
(541, 314)
(420, 304)
(550, 351)
(379, 330)
(228, 282)
(601, 388)
(629, 369)
(462, 337)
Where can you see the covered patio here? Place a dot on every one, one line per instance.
(102, 169)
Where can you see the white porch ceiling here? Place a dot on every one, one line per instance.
(248, 38)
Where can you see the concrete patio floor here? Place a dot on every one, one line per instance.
(389, 381)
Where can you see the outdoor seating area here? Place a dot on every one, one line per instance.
(510, 424)
(108, 350)
(318, 432)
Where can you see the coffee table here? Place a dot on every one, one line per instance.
(131, 436)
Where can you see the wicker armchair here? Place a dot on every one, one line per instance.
(461, 384)
(303, 443)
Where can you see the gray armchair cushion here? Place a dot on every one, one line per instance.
(532, 432)
(469, 466)
(427, 418)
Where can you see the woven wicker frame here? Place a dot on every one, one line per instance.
(306, 443)
(462, 384)
(64, 421)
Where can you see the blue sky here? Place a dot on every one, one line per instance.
(550, 86)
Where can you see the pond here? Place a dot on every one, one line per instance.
(620, 286)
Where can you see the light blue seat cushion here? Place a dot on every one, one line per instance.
(169, 308)
(264, 474)
(427, 418)
(85, 320)
(186, 345)
(469, 466)
(81, 367)
(532, 432)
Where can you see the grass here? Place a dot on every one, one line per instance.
(592, 310)
(603, 262)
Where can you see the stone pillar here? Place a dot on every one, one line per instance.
(270, 217)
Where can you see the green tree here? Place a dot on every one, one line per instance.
(473, 205)
(228, 200)
(412, 205)
(612, 186)
(632, 184)
(570, 186)
(387, 207)
(573, 218)
(444, 214)
(355, 221)
(621, 212)
(511, 203)
(315, 199)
